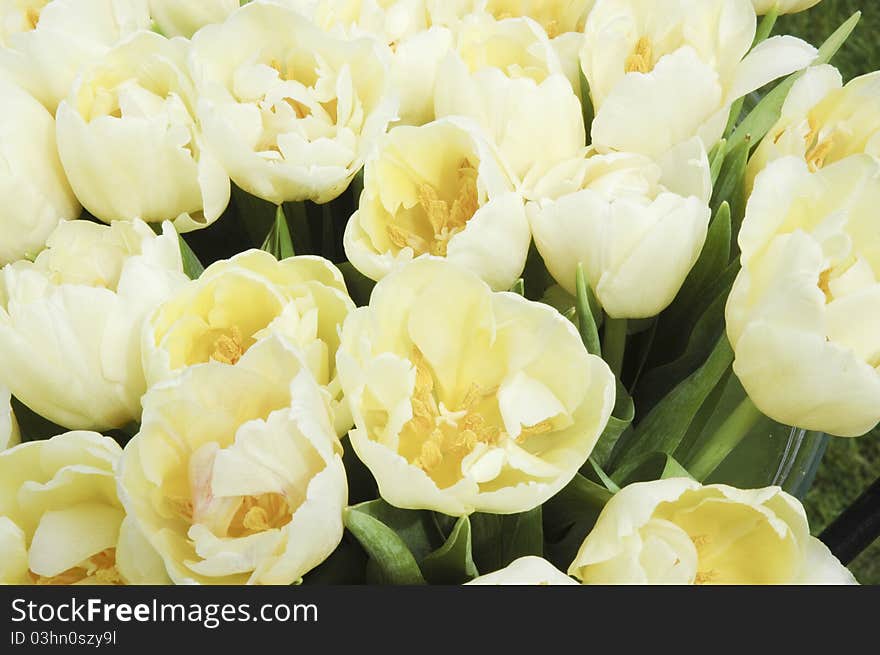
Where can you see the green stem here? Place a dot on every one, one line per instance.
(731, 433)
(614, 343)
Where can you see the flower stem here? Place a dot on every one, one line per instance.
(731, 433)
(614, 343)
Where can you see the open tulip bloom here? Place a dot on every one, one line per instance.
(483, 292)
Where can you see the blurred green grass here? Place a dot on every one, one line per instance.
(850, 465)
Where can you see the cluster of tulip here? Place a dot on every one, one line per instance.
(552, 241)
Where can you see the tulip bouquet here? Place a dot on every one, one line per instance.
(408, 291)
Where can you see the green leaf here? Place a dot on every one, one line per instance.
(621, 418)
(730, 186)
(387, 550)
(300, 227)
(416, 528)
(765, 27)
(589, 112)
(255, 214)
(765, 115)
(714, 258)
(569, 516)
(609, 484)
(716, 158)
(656, 466)
(278, 241)
(664, 428)
(360, 287)
(519, 288)
(500, 539)
(453, 562)
(585, 304)
(191, 264)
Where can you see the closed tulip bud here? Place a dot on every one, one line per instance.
(636, 227)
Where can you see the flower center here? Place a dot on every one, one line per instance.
(642, 58)
(100, 568)
(444, 219)
(444, 437)
(818, 149)
(260, 513)
(229, 346)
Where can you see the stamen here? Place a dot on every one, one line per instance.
(642, 58)
(229, 348)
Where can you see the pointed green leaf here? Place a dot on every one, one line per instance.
(387, 550)
(519, 288)
(621, 418)
(665, 426)
(716, 158)
(586, 318)
(730, 185)
(656, 466)
(714, 258)
(191, 264)
(765, 27)
(589, 112)
(453, 562)
(416, 528)
(609, 484)
(278, 241)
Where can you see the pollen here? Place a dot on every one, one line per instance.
(706, 577)
(257, 514)
(229, 347)
(825, 285)
(445, 219)
(99, 568)
(816, 156)
(642, 58)
(32, 18)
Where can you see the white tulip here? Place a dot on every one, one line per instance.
(636, 226)
(129, 141)
(47, 43)
(61, 522)
(515, 113)
(440, 190)
(663, 71)
(238, 302)
(676, 531)
(9, 434)
(186, 17)
(467, 400)
(525, 571)
(236, 476)
(555, 16)
(804, 313)
(783, 6)
(32, 181)
(290, 111)
(823, 121)
(71, 321)
(390, 21)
